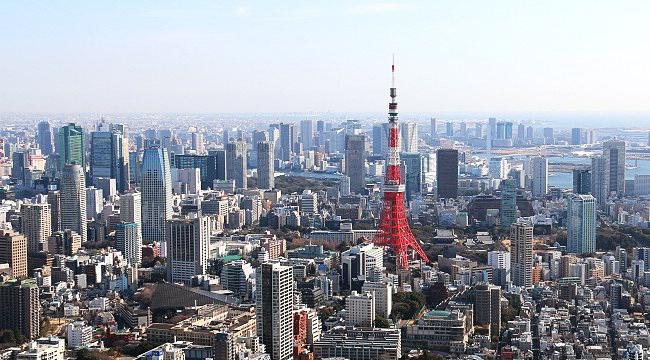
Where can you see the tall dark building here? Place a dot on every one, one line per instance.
(447, 173)
(576, 136)
(355, 158)
(45, 138)
(508, 212)
(70, 146)
(581, 182)
(288, 140)
(109, 157)
(265, 170)
(20, 309)
(208, 165)
(413, 174)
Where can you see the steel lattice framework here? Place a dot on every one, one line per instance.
(394, 229)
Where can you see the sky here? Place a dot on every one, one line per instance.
(324, 56)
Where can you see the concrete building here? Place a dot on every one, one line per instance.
(78, 334)
(581, 224)
(20, 309)
(13, 251)
(129, 242)
(539, 176)
(614, 153)
(274, 309)
(355, 162)
(447, 173)
(73, 200)
(188, 242)
(359, 344)
(236, 164)
(265, 167)
(383, 296)
(360, 309)
(36, 225)
(521, 254)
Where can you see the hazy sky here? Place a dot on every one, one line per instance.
(281, 56)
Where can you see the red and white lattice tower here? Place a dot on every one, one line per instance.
(394, 229)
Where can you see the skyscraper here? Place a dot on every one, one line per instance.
(599, 180)
(434, 128)
(614, 153)
(581, 181)
(73, 200)
(156, 191)
(70, 146)
(20, 309)
(447, 173)
(13, 251)
(274, 309)
(36, 225)
(131, 213)
(129, 242)
(576, 136)
(355, 160)
(108, 158)
(236, 163)
(488, 307)
(378, 141)
(265, 168)
(409, 137)
(45, 138)
(188, 247)
(521, 254)
(540, 176)
(549, 136)
(581, 224)
(288, 138)
(307, 134)
(209, 166)
(508, 213)
(197, 143)
(413, 173)
(450, 129)
(54, 200)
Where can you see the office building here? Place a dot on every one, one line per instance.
(581, 224)
(378, 141)
(308, 202)
(487, 310)
(70, 146)
(54, 200)
(65, 242)
(188, 243)
(434, 127)
(36, 225)
(129, 242)
(549, 136)
(45, 138)
(211, 167)
(383, 296)
(197, 143)
(238, 277)
(447, 173)
(576, 136)
(409, 137)
(498, 168)
(599, 180)
(109, 157)
(359, 344)
(508, 212)
(156, 193)
(360, 309)
(288, 139)
(94, 202)
(449, 129)
(581, 181)
(307, 134)
(20, 309)
(236, 163)
(274, 309)
(355, 162)
(13, 252)
(614, 153)
(78, 334)
(186, 181)
(73, 200)
(413, 174)
(265, 167)
(521, 254)
(540, 176)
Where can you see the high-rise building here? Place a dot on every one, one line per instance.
(478, 131)
(540, 176)
(73, 200)
(581, 181)
(498, 168)
(413, 173)
(70, 146)
(487, 310)
(614, 153)
(549, 136)
(20, 309)
(54, 200)
(45, 138)
(576, 136)
(434, 127)
(129, 242)
(197, 143)
(211, 166)
(156, 190)
(355, 159)
(409, 137)
(36, 225)
(521, 133)
(599, 180)
(581, 224)
(383, 296)
(508, 213)
(19, 166)
(265, 167)
(94, 202)
(307, 134)
(449, 129)
(521, 254)
(360, 309)
(308, 202)
(288, 139)
(274, 309)
(237, 276)
(109, 157)
(447, 173)
(13, 251)
(236, 163)
(188, 247)
(378, 141)
(131, 210)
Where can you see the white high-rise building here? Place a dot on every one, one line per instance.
(383, 295)
(521, 254)
(186, 181)
(73, 200)
(308, 202)
(581, 224)
(274, 309)
(36, 225)
(344, 185)
(540, 176)
(131, 208)
(94, 202)
(409, 137)
(129, 242)
(360, 309)
(498, 168)
(499, 260)
(156, 187)
(188, 247)
(78, 334)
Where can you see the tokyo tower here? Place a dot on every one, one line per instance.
(394, 230)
